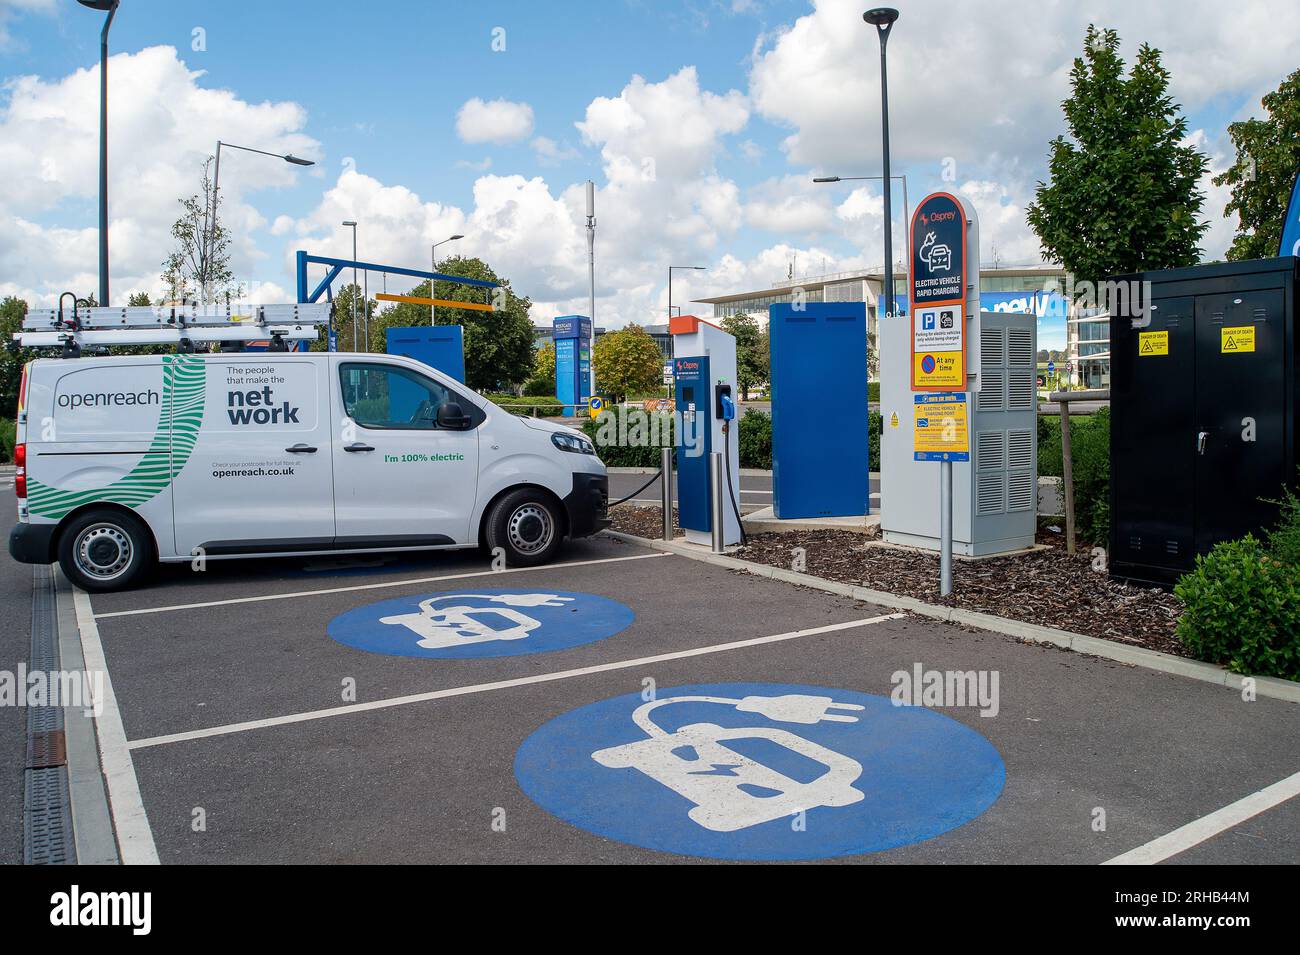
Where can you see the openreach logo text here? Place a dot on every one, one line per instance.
(108, 399)
(74, 908)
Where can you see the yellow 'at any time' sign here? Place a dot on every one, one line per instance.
(1153, 343)
(1238, 338)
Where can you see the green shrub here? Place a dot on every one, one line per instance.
(540, 388)
(1284, 539)
(8, 436)
(1090, 454)
(873, 392)
(539, 406)
(615, 455)
(875, 425)
(755, 436)
(1243, 610)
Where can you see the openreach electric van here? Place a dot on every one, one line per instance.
(123, 461)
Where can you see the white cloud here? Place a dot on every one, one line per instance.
(551, 153)
(977, 81)
(154, 99)
(498, 121)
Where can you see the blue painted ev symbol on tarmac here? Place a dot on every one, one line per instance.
(481, 623)
(760, 771)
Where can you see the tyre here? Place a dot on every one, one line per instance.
(526, 524)
(105, 550)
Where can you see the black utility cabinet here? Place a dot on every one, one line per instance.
(1203, 411)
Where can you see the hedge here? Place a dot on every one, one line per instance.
(1090, 455)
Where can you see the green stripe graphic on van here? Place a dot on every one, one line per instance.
(182, 404)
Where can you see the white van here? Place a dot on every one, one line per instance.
(122, 461)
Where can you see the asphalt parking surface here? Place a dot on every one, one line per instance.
(317, 778)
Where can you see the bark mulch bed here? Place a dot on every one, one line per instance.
(641, 521)
(1046, 587)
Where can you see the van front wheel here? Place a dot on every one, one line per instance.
(526, 525)
(105, 550)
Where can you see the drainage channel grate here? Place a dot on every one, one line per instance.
(47, 822)
(47, 809)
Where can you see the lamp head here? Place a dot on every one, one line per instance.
(101, 5)
(299, 162)
(881, 16)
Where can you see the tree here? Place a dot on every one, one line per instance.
(499, 352)
(1268, 159)
(1123, 195)
(627, 362)
(344, 299)
(200, 263)
(543, 380)
(752, 366)
(12, 355)
(139, 298)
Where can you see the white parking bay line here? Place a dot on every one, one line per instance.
(386, 583)
(134, 837)
(1221, 820)
(500, 684)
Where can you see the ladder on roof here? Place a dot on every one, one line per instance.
(181, 325)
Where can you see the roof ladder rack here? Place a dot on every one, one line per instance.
(183, 326)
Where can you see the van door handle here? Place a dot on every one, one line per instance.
(1200, 441)
(358, 446)
(301, 449)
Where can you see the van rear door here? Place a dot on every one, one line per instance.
(258, 479)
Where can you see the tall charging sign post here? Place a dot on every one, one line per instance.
(939, 247)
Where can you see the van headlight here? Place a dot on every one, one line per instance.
(572, 442)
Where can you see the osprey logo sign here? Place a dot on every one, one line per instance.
(760, 771)
(481, 623)
(938, 294)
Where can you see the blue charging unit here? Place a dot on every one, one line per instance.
(438, 346)
(572, 337)
(820, 453)
(694, 404)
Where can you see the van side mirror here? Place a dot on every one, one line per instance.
(452, 417)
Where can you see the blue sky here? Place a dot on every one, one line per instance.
(701, 124)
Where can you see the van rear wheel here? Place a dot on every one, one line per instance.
(526, 525)
(105, 550)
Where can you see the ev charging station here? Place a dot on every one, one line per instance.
(820, 439)
(438, 346)
(704, 370)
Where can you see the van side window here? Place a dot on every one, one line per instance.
(391, 397)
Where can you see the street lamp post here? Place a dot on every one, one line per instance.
(210, 237)
(352, 224)
(109, 7)
(882, 18)
(907, 209)
(433, 259)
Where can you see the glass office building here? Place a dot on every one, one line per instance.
(867, 286)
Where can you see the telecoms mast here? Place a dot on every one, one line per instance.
(181, 325)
